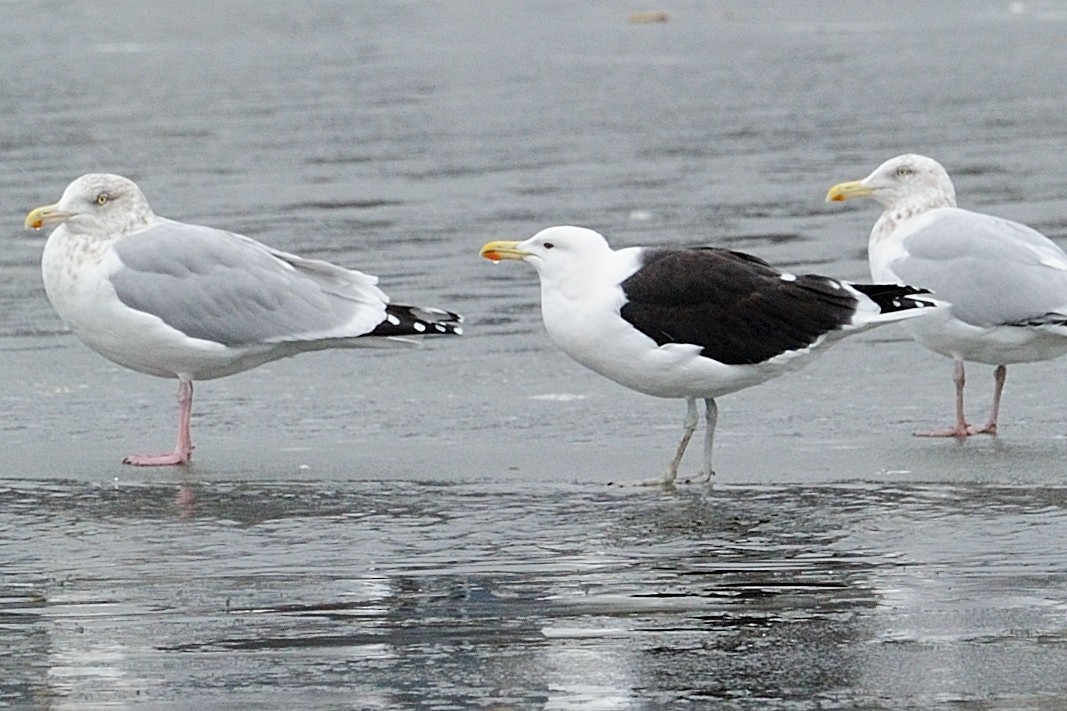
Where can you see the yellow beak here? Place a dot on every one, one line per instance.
(843, 191)
(502, 249)
(45, 215)
(851, 189)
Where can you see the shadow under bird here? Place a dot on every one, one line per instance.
(185, 301)
(1005, 282)
(692, 323)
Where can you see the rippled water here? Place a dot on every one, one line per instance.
(432, 529)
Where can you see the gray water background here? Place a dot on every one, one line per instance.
(433, 529)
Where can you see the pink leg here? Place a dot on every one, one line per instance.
(183, 450)
(999, 376)
(961, 429)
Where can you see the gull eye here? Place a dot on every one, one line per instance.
(549, 245)
(102, 198)
(903, 171)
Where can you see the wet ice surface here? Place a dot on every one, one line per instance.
(446, 595)
(433, 529)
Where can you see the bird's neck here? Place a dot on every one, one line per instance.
(569, 293)
(899, 213)
(566, 290)
(70, 242)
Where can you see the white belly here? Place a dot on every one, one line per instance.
(994, 345)
(600, 339)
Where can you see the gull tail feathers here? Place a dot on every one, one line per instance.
(418, 321)
(882, 303)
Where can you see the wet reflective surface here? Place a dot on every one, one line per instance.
(433, 529)
(444, 595)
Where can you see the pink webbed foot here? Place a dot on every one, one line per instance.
(946, 432)
(961, 432)
(158, 460)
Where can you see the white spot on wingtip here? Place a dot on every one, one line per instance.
(420, 327)
(834, 284)
(788, 277)
(458, 331)
(393, 320)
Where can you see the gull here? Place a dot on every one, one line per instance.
(185, 301)
(692, 323)
(1006, 282)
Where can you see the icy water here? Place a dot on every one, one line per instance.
(433, 529)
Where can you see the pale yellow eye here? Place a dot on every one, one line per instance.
(102, 198)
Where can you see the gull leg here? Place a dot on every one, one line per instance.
(183, 450)
(999, 376)
(961, 429)
(184, 446)
(671, 473)
(711, 418)
(690, 427)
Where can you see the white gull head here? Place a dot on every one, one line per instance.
(98, 205)
(906, 186)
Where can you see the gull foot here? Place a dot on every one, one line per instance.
(947, 432)
(702, 478)
(645, 482)
(158, 460)
(666, 481)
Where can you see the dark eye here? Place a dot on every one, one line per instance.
(102, 198)
(549, 245)
(903, 170)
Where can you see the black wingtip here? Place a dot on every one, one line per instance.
(418, 321)
(896, 297)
